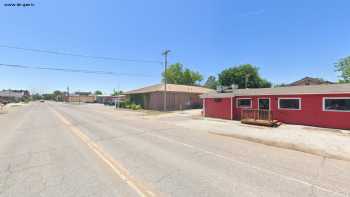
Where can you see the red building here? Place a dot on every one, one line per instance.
(314, 105)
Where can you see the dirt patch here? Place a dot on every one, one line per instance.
(286, 145)
(336, 131)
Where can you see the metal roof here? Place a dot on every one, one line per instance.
(290, 90)
(10, 93)
(171, 88)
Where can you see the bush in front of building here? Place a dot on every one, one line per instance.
(136, 107)
(133, 106)
(130, 105)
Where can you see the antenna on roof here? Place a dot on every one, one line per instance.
(246, 80)
(219, 88)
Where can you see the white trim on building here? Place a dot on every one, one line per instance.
(332, 110)
(290, 98)
(246, 107)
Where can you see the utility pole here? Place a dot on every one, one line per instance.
(78, 96)
(165, 53)
(246, 80)
(67, 94)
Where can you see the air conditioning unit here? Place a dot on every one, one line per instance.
(234, 87)
(219, 88)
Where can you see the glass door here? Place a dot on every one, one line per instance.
(264, 103)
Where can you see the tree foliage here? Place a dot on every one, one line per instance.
(116, 93)
(36, 97)
(281, 85)
(54, 96)
(211, 82)
(237, 75)
(343, 66)
(177, 74)
(98, 92)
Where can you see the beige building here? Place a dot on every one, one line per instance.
(179, 97)
(80, 97)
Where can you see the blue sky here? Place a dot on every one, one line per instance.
(287, 40)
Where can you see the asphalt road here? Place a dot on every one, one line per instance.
(54, 149)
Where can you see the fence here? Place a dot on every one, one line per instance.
(256, 114)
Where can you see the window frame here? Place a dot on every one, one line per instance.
(244, 107)
(289, 98)
(333, 110)
(267, 98)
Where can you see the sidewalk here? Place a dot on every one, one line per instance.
(330, 143)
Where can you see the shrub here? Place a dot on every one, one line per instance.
(126, 104)
(136, 107)
(129, 105)
(122, 104)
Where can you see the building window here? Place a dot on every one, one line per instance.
(289, 103)
(217, 100)
(244, 103)
(336, 104)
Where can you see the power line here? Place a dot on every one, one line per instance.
(81, 55)
(72, 70)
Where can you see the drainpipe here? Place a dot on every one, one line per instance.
(203, 107)
(234, 89)
(231, 108)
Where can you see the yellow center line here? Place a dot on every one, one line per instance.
(115, 166)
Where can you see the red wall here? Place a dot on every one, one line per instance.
(311, 112)
(217, 109)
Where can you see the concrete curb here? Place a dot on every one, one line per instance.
(288, 145)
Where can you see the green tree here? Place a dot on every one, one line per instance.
(176, 74)
(280, 85)
(211, 82)
(191, 77)
(48, 97)
(57, 95)
(116, 93)
(343, 66)
(98, 92)
(237, 75)
(36, 97)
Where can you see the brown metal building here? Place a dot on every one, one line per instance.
(80, 97)
(309, 81)
(179, 97)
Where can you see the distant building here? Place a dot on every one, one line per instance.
(82, 93)
(80, 97)
(109, 100)
(309, 81)
(179, 97)
(7, 96)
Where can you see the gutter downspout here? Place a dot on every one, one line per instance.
(234, 87)
(231, 108)
(203, 107)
